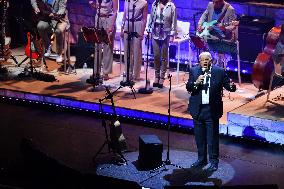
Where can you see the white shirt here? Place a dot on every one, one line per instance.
(205, 93)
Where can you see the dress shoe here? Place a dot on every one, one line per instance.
(213, 167)
(161, 83)
(156, 82)
(59, 59)
(48, 52)
(106, 77)
(199, 163)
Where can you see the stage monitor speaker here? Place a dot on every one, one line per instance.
(150, 151)
(84, 52)
(252, 31)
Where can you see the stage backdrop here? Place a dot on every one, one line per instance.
(81, 14)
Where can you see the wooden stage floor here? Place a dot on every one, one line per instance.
(74, 87)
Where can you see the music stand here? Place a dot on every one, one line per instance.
(97, 36)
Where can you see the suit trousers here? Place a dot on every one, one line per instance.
(135, 49)
(161, 52)
(206, 130)
(105, 50)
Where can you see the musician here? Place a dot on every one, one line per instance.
(134, 11)
(107, 21)
(205, 83)
(46, 28)
(278, 55)
(218, 10)
(162, 25)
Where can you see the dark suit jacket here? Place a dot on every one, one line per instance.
(218, 80)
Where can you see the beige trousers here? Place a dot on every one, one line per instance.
(105, 50)
(135, 49)
(160, 57)
(45, 30)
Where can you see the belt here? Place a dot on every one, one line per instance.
(105, 15)
(135, 20)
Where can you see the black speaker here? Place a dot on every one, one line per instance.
(252, 32)
(84, 51)
(150, 151)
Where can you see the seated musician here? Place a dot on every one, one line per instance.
(223, 13)
(47, 27)
(278, 55)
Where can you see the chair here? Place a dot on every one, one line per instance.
(66, 49)
(182, 37)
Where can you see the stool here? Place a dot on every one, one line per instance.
(66, 47)
(150, 151)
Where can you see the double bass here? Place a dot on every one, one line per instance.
(264, 65)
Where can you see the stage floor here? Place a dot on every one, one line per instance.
(73, 87)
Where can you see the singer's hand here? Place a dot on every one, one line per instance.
(36, 10)
(93, 4)
(110, 30)
(199, 28)
(122, 33)
(200, 79)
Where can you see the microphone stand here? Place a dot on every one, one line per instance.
(168, 161)
(130, 36)
(147, 89)
(96, 80)
(112, 145)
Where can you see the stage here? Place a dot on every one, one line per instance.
(244, 114)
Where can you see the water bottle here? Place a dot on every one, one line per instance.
(124, 77)
(85, 67)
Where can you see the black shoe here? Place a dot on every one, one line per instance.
(160, 85)
(213, 167)
(155, 84)
(199, 163)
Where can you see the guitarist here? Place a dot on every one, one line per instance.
(221, 11)
(46, 27)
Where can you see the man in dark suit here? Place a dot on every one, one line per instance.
(205, 84)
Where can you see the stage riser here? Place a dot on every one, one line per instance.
(94, 107)
(256, 128)
(266, 130)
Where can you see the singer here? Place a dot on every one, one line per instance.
(107, 21)
(162, 25)
(205, 84)
(134, 19)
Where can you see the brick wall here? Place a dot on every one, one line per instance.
(80, 14)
